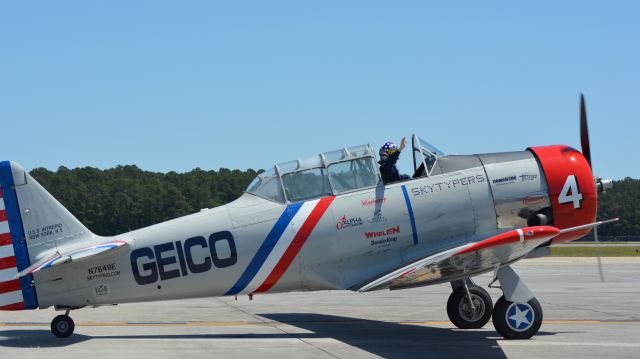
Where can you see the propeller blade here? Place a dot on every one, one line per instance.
(584, 132)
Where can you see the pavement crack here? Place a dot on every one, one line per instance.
(256, 317)
(273, 325)
(306, 342)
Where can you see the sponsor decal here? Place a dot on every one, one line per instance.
(386, 232)
(504, 180)
(377, 217)
(101, 290)
(528, 177)
(102, 272)
(345, 222)
(383, 238)
(177, 259)
(373, 201)
(44, 231)
(534, 199)
(384, 241)
(447, 185)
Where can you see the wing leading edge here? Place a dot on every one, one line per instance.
(466, 260)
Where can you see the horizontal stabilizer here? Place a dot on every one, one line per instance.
(73, 256)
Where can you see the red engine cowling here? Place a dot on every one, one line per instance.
(572, 189)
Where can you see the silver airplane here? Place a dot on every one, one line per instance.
(324, 223)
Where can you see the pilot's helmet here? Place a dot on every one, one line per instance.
(387, 149)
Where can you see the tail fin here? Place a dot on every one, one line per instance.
(33, 224)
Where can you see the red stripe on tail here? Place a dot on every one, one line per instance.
(8, 262)
(295, 246)
(14, 306)
(10, 286)
(5, 239)
(3, 216)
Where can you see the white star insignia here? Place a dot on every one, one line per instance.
(520, 317)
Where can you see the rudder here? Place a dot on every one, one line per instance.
(15, 294)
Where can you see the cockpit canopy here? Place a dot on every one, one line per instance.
(334, 172)
(331, 173)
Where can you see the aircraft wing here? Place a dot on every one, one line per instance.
(466, 260)
(73, 255)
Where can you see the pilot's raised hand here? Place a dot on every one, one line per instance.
(403, 143)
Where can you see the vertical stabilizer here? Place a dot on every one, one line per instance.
(33, 224)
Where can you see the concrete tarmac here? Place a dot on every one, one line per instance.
(583, 318)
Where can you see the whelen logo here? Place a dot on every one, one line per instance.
(373, 201)
(387, 232)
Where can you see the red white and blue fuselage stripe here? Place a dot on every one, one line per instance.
(15, 294)
(281, 246)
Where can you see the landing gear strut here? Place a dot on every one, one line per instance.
(62, 326)
(469, 306)
(517, 314)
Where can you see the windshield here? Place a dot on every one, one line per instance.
(425, 156)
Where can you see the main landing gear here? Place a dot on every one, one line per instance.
(516, 315)
(62, 326)
(469, 306)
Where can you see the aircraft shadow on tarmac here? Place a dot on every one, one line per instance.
(393, 340)
(386, 339)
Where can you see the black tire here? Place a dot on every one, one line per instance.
(62, 326)
(517, 328)
(460, 312)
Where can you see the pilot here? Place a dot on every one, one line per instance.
(389, 154)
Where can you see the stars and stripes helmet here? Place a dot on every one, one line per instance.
(387, 149)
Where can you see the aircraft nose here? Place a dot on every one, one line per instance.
(571, 186)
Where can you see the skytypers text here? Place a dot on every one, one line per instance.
(446, 185)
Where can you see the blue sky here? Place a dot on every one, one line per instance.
(170, 85)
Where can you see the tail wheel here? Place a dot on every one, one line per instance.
(62, 326)
(466, 316)
(517, 321)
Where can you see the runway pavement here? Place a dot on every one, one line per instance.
(583, 318)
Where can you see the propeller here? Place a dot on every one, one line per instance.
(586, 152)
(584, 132)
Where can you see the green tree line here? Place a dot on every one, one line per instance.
(125, 198)
(621, 201)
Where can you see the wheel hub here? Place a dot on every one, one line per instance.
(62, 326)
(519, 317)
(467, 312)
